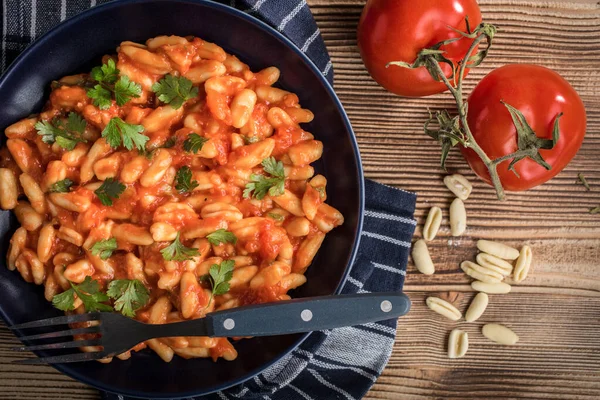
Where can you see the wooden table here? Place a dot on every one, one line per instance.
(556, 311)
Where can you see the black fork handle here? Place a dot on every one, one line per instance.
(293, 316)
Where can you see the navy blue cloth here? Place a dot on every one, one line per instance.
(339, 364)
(24, 22)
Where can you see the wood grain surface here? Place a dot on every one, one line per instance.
(556, 311)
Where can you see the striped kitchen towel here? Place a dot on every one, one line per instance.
(339, 364)
(25, 20)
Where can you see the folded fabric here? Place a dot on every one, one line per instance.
(339, 364)
(24, 23)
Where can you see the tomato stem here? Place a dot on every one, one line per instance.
(516, 154)
(452, 131)
(470, 141)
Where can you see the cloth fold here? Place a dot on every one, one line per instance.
(25, 22)
(338, 364)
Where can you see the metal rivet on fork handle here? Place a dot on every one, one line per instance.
(386, 306)
(229, 324)
(306, 315)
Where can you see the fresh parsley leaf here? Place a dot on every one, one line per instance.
(132, 136)
(595, 210)
(273, 167)
(149, 153)
(176, 251)
(106, 73)
(89, 293)
(174, 90)
(101, 97)
(66, 143)
(221, 274)
(47, 131)
(194, 143)
(218, 277)
(65, 135)
(76, 123)
(276, 217)
(183, 179)
(125, 89)
(129, 294)
(61, 186)
(109, 84)
(117, 131)
(261, 185)
(64, 301)
(104, 248)
(170, 142)
(221, 236)
(109, 190)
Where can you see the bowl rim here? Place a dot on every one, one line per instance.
(66, 24)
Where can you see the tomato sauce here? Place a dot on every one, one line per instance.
(152, 203)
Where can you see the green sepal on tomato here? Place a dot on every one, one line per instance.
(397, 30)
(541, 95)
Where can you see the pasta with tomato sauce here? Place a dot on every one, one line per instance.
(169, 182)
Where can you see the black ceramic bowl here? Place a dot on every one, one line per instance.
(79, 43)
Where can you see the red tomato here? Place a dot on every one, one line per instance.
(540, 94)
(397, 30)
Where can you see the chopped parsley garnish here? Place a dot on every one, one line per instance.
(129, 294)
(174, 90)
(218, 277)
(104, 248)
(170, 142)
(101, 97)
(109, 84)
(109, 190)
(260, 185)
(66, 135)
(221, 236)
(61, 186)
(194, 143)
(118, 131)
(276, 217)
(183, 179)
(176, 251)
(125, 89)
(106, 73)
(89, 293)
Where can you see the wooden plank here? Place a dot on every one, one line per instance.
(35, 381)
(556, 357)
(565, 283)
(556, 310)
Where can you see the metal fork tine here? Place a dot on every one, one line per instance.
(62, 345)
(69, 332)
(67, 319)
(77, 357)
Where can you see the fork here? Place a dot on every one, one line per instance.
(118, 333)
